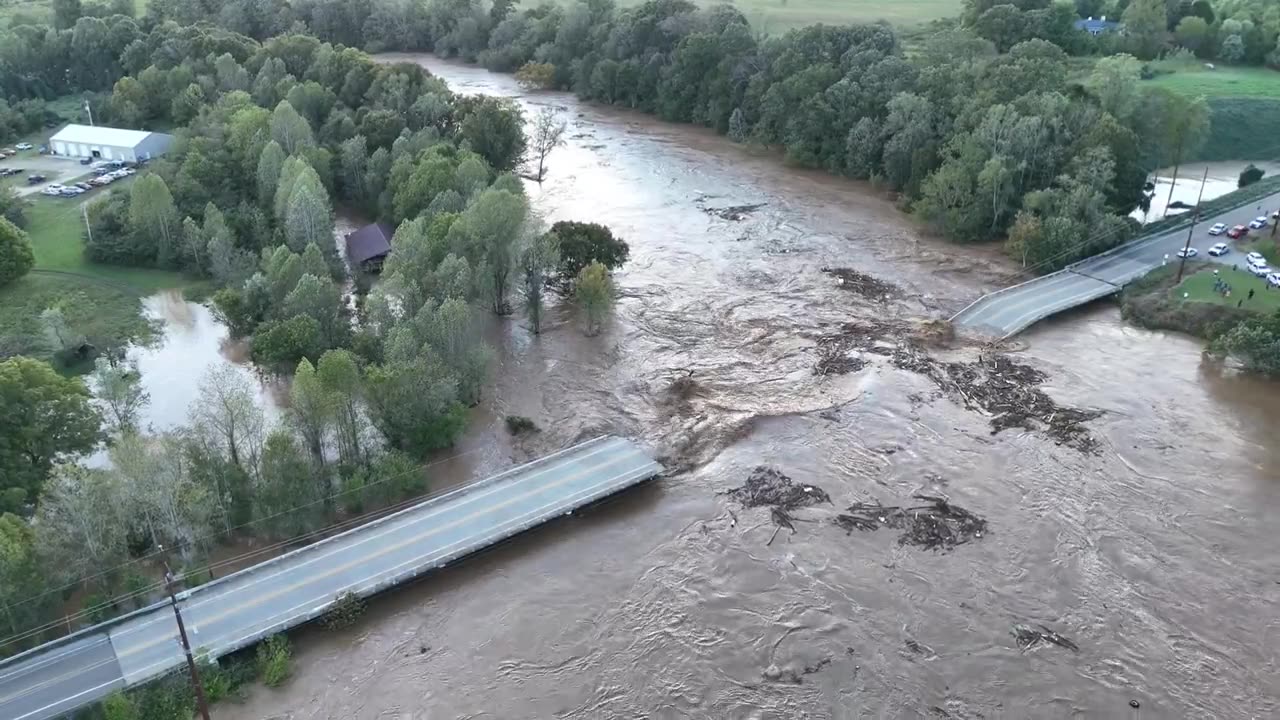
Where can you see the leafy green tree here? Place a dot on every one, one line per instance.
(1183, 126)
(1193, 33)
(16, 257)
(228, 415)
(488, 233)
(281, 344)
(1255, 342)
(270, 165)
(414, 403)
(13, 207)
(310, 219)
(118, 387)
(581, 244)
(290, 130)
(22, 579)
(343, 380)
(537, 262)
(1114, 81)
(320, 299)
(494, 128)
(1146, 26)
(286, 492)
(44, 418)
(81, 526)
(1250, 175)
(595, 295)
(187, 104)
(548, 134)
(311, 412)
(153, 218)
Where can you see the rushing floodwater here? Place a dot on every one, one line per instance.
(1157, 556)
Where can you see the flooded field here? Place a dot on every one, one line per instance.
(1152, 549)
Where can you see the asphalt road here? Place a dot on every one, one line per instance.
(242, 608)
(1012, 310)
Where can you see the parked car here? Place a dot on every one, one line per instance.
(1255, 258)
(71, 191)
(1258, 223)
(86, 161)
(1237, 232)
(5, 172)
(1188, 252)
(23, 146)
(1218, 229)
(84, 186)
(1260, 270)
(35, 179)
(1273, 279)
(1219, 249)
(100, 181)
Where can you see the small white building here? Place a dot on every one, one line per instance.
(108, 143)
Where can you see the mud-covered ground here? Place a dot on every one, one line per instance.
(1107, 502)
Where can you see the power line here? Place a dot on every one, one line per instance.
(111, 602)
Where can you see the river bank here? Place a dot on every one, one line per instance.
(669, 601)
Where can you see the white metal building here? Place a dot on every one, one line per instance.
(108, 143)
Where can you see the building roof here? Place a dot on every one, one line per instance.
(99, 135)
(1092, 25)
(369, 242)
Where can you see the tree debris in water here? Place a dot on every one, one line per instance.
(863, 284)
(938, 525)
(1008, 392)
(1029, 637)
(733, 213)
(680, 391)
(768, 486)
(793, 676)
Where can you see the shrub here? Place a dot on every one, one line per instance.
(518, 424)
(345, 612)
(274, 660)
(1250, 175)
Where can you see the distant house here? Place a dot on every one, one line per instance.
(95, 141)
(1097, 27)
(369, 246)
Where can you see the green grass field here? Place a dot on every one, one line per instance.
(1224, 82)
(779, 16)
(1199, 288)
(56, 228)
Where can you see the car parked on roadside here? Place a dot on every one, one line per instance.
(1188, 252)
(35, 179)
(1261, 270)
(84, 186)
(1237, 232)
(1273, 279)
(1219, 249)
(1218, 229)
(1258, 223)
(23, 146)
(1255, 258)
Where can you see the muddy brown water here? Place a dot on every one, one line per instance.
(1157, 556)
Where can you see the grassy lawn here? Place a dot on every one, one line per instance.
(1223, 82)
(1199, 289)
(779, 16)
(104, 313)
(1266, 246)
(56, 227)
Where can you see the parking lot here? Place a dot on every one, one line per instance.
(55, 169)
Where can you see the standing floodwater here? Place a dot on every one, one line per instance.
(1152, 549)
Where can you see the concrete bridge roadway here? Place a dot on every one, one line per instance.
(240, 609)
(1009, 311)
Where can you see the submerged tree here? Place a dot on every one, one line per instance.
(595, 295)
(119, 391)
(548, 134)
(537, 262)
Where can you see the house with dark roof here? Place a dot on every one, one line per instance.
(1097, 26)
(369, 246)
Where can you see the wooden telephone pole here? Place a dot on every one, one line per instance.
(186, 646)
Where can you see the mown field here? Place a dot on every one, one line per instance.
(1224, 82)
(779, 16)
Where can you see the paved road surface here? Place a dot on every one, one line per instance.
(1009, 311)
(244, 607)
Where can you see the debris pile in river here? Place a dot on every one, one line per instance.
(733, 213)
(937, 525)
(680, 391)
(769, 486)
(1029, 637)
(865, 285)
(1008, 392)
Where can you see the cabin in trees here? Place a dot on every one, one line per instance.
(368, 247)
(95, 141)
(1096, 27)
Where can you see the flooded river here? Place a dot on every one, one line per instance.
(1157, 556)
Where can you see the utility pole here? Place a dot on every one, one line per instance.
(186, 646)
(84, 210)
(1195, 217)
(88, 110)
